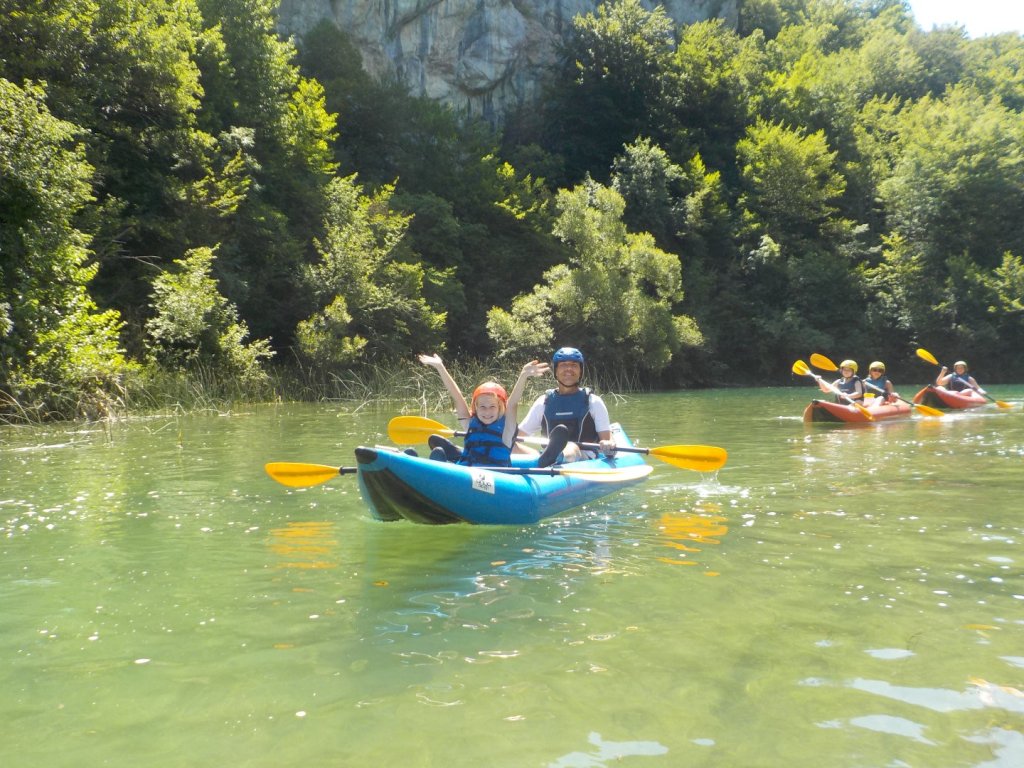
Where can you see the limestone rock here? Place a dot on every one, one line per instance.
(482, 57)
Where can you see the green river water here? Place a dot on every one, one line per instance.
(833, 597)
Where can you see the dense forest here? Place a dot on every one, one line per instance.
(182, 190)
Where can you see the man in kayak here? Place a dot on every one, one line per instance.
(489, 421)
(878, 384)
(569, 414)
(958, 380)
(849, 383)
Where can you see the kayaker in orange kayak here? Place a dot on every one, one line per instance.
(849, 383)
(879, 385)
(959, 380)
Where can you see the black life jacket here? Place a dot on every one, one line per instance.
(959, 383)
(573, 411)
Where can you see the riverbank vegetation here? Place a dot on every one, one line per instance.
(189, 202)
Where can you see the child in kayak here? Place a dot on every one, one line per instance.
(490, 420)
(958, 380)
(849, 383)
(878, 384)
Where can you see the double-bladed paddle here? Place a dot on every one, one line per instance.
(820, 361)
(298, 475)
(412, 430)
(800, 369)
(928, 357)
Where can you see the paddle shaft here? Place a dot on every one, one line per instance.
(925, 409)
(299, 475)
(611, 473)
(412, 430)
(596, 447)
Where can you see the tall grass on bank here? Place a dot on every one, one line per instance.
(411, 387)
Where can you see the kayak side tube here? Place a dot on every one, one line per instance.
(947, 399)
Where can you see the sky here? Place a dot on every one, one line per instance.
(979, 17)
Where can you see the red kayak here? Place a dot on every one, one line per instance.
(947, 399)
(828, 411)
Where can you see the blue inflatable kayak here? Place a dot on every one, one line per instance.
(398, 486)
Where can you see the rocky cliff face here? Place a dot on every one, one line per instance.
(483, 57)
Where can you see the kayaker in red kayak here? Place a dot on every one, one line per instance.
(849, 383)
(569, 414)
(879, 385)
(489, 421)
(959, 380)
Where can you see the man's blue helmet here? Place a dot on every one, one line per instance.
(565, 355)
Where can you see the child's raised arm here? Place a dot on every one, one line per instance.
(461, 408)
(532, 368)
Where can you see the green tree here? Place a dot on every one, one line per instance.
(994, 64)
(789, 182)
(617, 296)
(710, 82)
(124, 71)
(652, 187)
(956, 182)
(1006, 283)
(798, 252)
(609, 90)
(369, 292)
(59, 355)
(253, 88)
(193, 326)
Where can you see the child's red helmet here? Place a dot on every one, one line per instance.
(491, 388)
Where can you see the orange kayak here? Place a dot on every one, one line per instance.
(828, 411)
(947, 399)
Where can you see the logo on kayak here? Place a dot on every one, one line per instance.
(482, 481)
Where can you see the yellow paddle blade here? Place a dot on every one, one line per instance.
(927, 410)
(867, 414)
(820, 361)
(297, 475)
(1002, 404)
(800, 369)
(413, 430)
(700, 458)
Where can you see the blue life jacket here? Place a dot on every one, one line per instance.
(880, 382)
(959, 383)
(847, 387)
(482, 445)
(573, 411)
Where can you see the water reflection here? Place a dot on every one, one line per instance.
(305, 545)
(607, 751)
(684, 530)
(979, 694)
